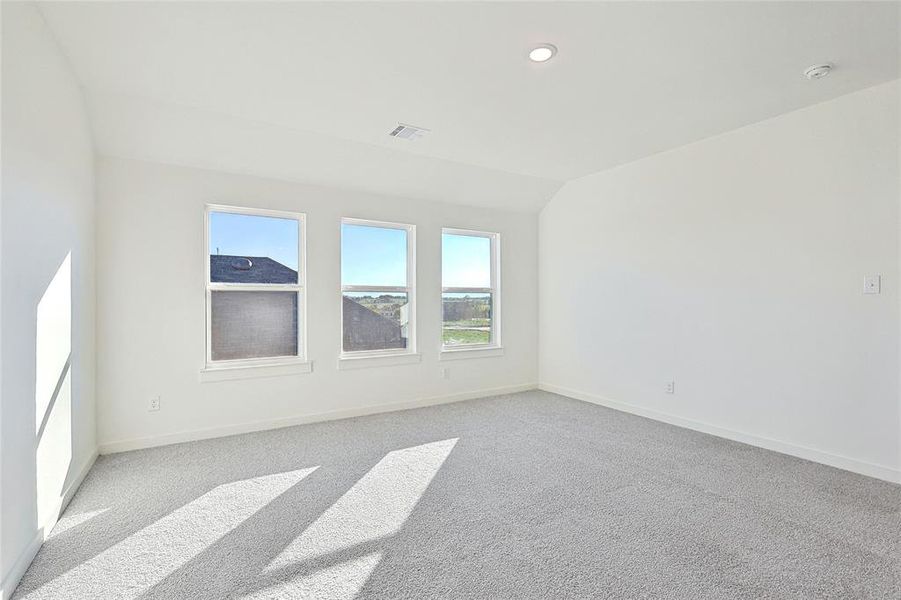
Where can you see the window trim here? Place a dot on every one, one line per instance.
(494, 341)
(247, 365)
(409, 289)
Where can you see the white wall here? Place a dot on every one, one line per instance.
(151, 306)
(47, 303)
(735, 266)
(130, 126)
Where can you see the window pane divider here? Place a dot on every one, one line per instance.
(255, 287)
(465, 290)
(373, 288)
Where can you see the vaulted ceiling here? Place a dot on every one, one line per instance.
(310, 91)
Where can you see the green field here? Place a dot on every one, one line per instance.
(465, 336)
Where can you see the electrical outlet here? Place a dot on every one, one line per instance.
(872, 284)
(670, 387)
(154, 404)
(445, 373)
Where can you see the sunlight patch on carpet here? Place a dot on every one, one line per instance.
(69, 521)
(375, 508)
(145, 558)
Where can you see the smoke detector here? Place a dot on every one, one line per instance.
(408, 132)
(817, 71)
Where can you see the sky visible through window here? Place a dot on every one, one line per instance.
(251, 235)
(369, 255)
(373, 255)
(465, 261)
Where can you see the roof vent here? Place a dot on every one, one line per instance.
(242, 264)
(408, 132)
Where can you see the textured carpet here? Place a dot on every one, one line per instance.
(530, 495)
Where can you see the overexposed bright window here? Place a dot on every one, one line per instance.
(377, 287)
(470, 290)
(254, 286)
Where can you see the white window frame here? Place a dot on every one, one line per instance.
(494, 341)
(387, 356)
(276, 365)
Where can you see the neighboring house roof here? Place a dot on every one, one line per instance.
(365, 329)
(249, 269)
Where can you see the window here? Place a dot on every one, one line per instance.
(470, 295)
(254, 287)
(377, 288)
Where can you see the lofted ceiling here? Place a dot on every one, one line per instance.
(310, 90)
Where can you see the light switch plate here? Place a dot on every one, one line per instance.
(872, 284)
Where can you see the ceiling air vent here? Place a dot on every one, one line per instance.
(408, 132)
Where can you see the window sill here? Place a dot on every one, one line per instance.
(227, 373)
(463, 353)
(387, 360)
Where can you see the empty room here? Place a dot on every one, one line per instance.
(453, 300)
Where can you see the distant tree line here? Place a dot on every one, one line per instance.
(387, 305)
(466, 308)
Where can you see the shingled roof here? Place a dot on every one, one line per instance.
(226, 268)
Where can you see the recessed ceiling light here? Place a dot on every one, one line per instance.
(542, 53)
(817, 71)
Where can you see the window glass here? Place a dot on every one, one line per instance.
(467, 318)
(375, 321)
(373, 256)
(253, 324)
(465, 261)
(377, 298)
(252, 249)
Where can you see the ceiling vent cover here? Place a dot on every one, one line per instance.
(408, 132)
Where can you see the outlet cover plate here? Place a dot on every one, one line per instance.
(872, 284)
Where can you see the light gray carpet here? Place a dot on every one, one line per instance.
(530, 495)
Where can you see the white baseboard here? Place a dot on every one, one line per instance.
(819, 456)
(11, 579)
(69, 493)
(215, 432)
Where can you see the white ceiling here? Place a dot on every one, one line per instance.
(311, 90)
